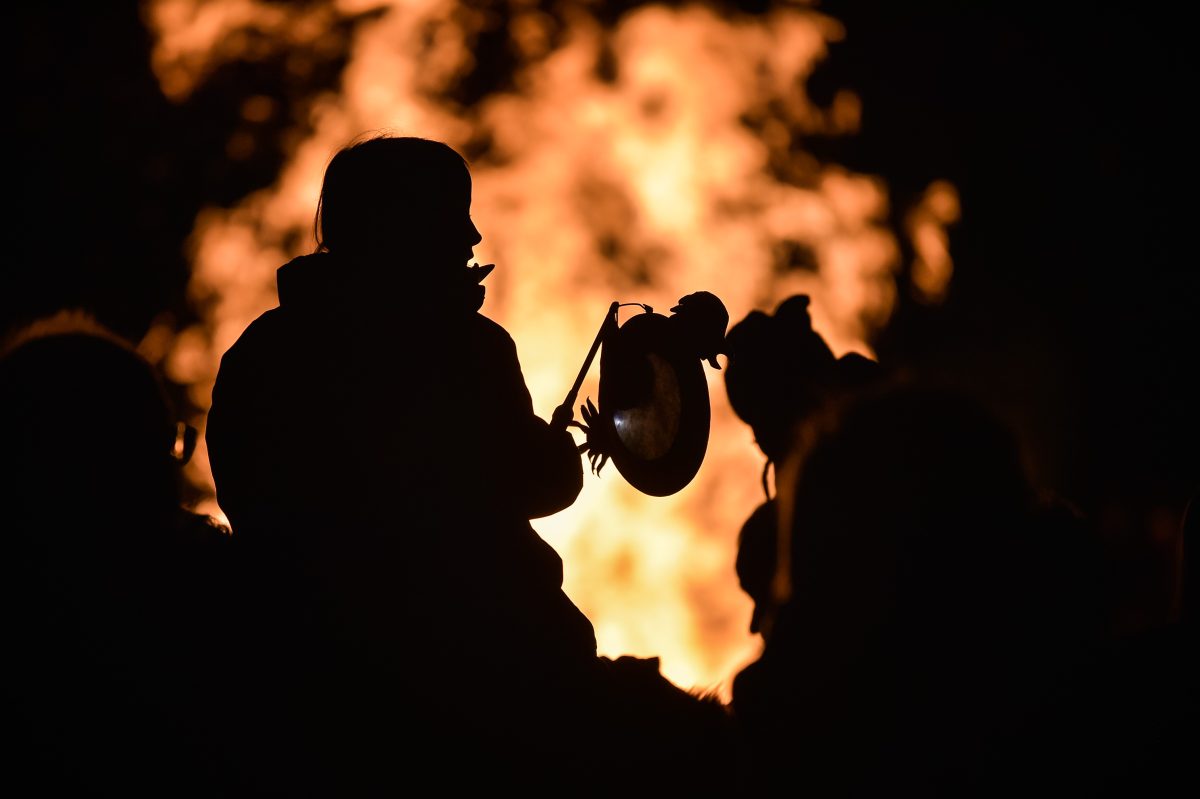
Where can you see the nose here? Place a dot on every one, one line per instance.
(473, 233)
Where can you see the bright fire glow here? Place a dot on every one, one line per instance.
(674, 166)
(926, 225)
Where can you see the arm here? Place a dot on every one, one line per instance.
(543, 473)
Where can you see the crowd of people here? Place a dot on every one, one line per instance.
(382, 613)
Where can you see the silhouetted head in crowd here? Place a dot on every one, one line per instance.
(915, 497)
(781, 371)
(87, 426)
(781, 375)
(399, 205)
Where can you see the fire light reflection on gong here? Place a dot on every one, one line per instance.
(647, 429)
(635, 163)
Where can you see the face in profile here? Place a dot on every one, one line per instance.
(445, 236)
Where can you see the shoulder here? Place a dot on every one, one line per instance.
(265, 331)
(488, 327)
(490, 335)
(260, 344)
(249, 366)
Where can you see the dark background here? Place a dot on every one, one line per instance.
(1072, 306)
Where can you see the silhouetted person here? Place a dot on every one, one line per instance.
(934, 609)
(781, 376)
(114, 597)
(375, 447)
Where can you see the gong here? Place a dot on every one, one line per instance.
(654, 416)
(653, 405)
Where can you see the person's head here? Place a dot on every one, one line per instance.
(911, 515)
(87, 428)
(780, 371)
(398, 198)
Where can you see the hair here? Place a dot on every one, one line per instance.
(85, 416)
(780, 370)
(383, 183)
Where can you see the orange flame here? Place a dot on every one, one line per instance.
(926, 226)
(674, 170)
